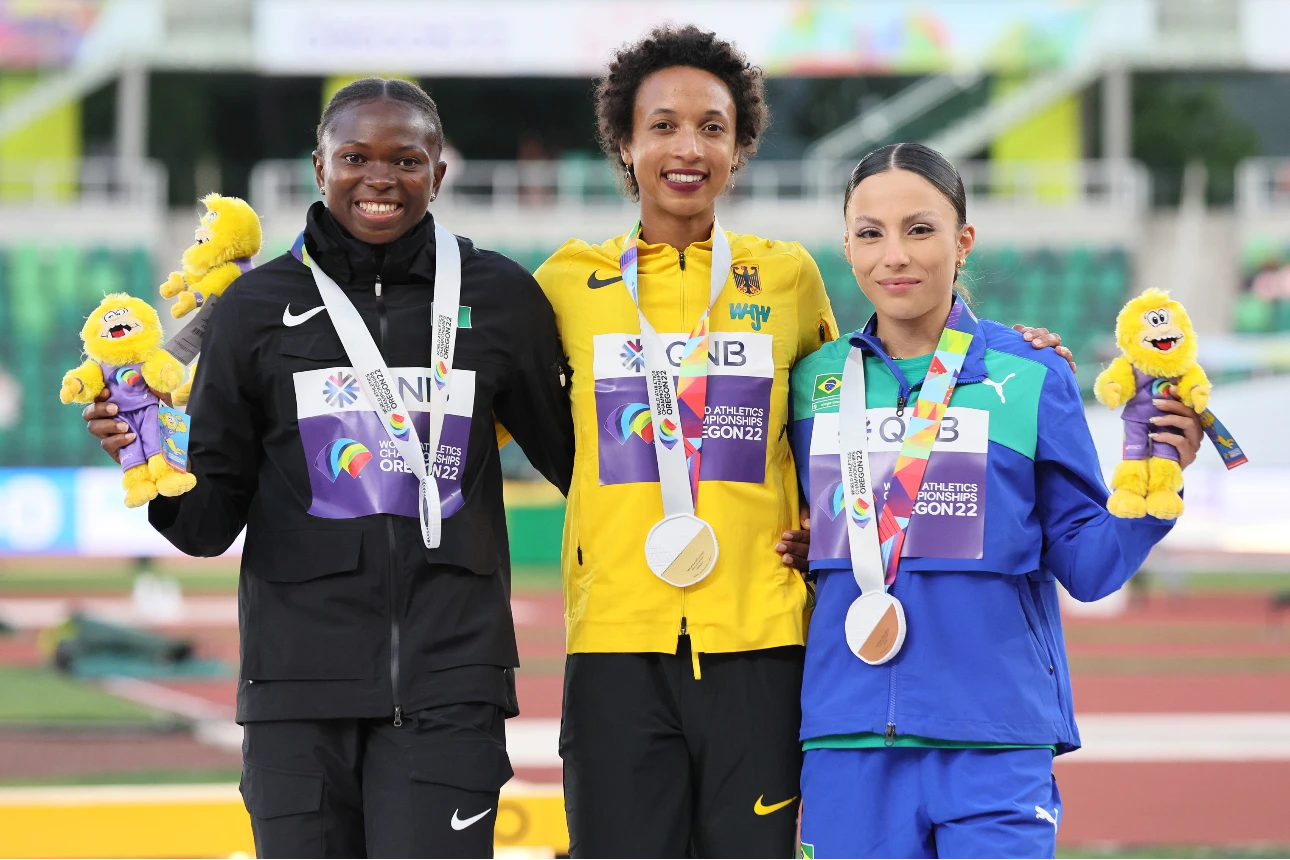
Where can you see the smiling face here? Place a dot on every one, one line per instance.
(683, 146)
(1159, 332)
(379, 165)
(904, 244)
(1156, 334)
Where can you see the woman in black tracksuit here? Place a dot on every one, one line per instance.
(376, 674)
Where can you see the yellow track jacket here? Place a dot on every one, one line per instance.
(772, 312)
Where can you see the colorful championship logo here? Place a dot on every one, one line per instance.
(860, 512)
(747, 281)
(440, 374)
(833, 500)
(633, 355)
(628, 420)
(1163, 388)
(340, 389)
(667, 432)
(342, 455)
(128, 376)
(400, 425)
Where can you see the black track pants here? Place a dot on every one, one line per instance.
(366, 788)
(659, 764)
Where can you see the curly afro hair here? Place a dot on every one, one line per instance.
(664, 48)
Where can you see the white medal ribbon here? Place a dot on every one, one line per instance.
(680, 548)
(875, 624)
(381, 386)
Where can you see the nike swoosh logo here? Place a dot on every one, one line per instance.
(594, 283)
(458, 824)
(289, 319)
(761, 809)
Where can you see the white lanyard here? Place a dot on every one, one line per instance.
(665, 411)
(857, 478)
(381, 386)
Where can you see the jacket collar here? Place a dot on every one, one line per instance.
(352, 262)
(974, 369)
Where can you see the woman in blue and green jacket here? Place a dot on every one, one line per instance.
(932, 708)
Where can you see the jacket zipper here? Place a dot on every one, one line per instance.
(889, 738)
(681, 262)
(390, 539)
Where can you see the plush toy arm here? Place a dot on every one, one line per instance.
(173, 286)
(163, 372)
(1115, 386)
(1194, 387)
(82, 384)
(216, 281)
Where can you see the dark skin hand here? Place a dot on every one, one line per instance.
(795, 544)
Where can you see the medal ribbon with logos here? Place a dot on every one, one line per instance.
(681, 548)
(875, 623)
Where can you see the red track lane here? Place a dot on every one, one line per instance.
(1134, 694)
(1205, 803)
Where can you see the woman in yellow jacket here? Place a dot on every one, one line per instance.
(685, 619)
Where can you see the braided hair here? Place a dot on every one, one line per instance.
(378, 89)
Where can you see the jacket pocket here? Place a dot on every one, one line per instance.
(304, 554)
(309, 609)
(483, 768)
(1033, 622)
(269, 792)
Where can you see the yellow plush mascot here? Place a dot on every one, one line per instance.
(1158, 360)
(123, 341)
(226, 240)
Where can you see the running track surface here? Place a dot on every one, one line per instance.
(1191, 654)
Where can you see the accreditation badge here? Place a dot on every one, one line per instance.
(681, 549)
(875, 627)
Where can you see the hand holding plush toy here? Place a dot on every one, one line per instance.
(1158, 360)
(122, 338)
(226, 240)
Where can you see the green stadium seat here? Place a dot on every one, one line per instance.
(46, 292)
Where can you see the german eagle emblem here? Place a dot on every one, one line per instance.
(746, 280)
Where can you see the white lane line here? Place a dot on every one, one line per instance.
(1182, 738)
(212, 722)
(533, 742)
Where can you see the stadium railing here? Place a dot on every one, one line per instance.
(279, 184)
(93, 181)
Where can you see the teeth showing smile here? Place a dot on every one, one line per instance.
(372, 208)
(684, 177)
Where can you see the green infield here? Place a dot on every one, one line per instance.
(88, 576)
(42, 697)
(134, 777)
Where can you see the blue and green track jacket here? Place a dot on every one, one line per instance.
(1012, 500)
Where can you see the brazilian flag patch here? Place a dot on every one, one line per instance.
(826, 393)
(807, 851)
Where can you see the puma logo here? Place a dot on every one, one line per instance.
(998, 386)
(1042, 813)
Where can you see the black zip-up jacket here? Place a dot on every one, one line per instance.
(353, 616)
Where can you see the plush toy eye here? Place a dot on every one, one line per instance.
(1157, 318)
